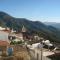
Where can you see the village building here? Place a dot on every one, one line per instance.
(1, 28)
(3, 47)
(4, 36)
(36, 37)
(4, 42)
(22, 35)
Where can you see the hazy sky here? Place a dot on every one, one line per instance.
(41, 10)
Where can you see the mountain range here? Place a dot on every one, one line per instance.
(37, 27)
(54, 24)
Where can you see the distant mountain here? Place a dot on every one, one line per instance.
(48, 32)
(54, 24)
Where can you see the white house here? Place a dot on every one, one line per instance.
(1, 28)
(4, 35)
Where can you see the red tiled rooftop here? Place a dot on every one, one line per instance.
(4, 43)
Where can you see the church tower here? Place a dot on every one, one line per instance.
(24, 32)
(24, 29)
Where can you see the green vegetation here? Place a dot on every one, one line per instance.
(48, 32)
(14, 42)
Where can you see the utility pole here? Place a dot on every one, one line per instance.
(41, 53)
(37, 56)
(41, 50)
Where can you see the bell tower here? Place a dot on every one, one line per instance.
(24, 29)
(24, 32)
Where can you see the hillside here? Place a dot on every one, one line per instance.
(48, 32)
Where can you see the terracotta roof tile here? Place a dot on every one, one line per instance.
(4, 43)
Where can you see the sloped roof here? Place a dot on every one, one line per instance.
(4, 43)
